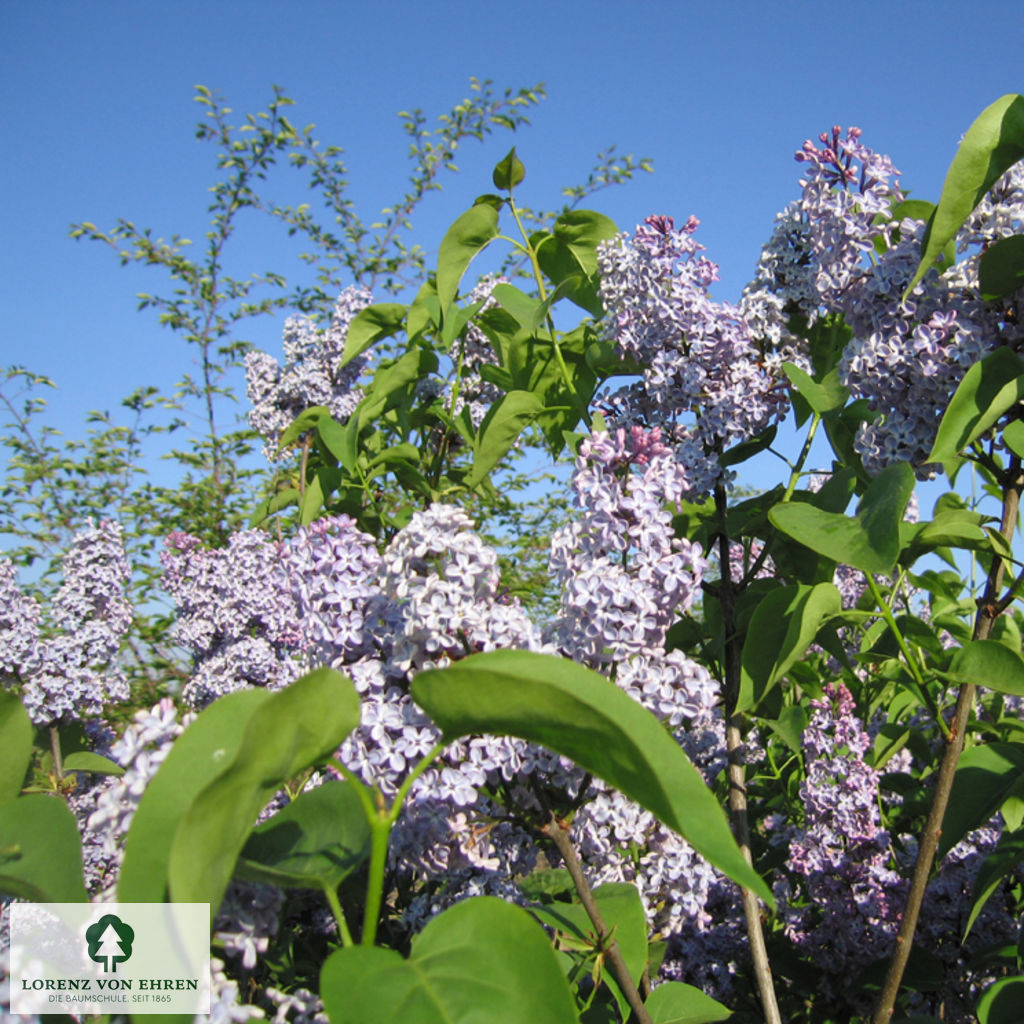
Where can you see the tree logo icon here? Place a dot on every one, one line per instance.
(110, 941)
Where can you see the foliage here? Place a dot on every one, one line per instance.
(383, 740)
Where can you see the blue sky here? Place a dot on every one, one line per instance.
(99, 124)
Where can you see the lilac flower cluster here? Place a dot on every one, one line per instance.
(67, 667)
(840, 859)
(106, 810)
(622, 573)
(310, 375)
(905, 360)
(236, 614)
(699, 357)
(474, 351)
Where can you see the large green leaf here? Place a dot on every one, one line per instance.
(40, 851)
(292, 730)
(463, 240)
(1001, 1003)
(482, 961)
(870, 541)
(15, 745)
(990, 388)
(197, 757)
(579, 713)
(985, 776)
(314, 843)
(997, 865)
(369, 326)
(508, 172)
(781, 629)
(676, 1003)
(991, 664)
(582, 231)
(505, 421)
(1001, 270)
(622, 912)
(992, 145)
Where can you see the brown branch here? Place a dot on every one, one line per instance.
(988, 610)
(733, 665)
(560, 837)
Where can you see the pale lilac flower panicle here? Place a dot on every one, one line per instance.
(700, 358)
(842, 854)
(20, 617)
(74, 675)
(236, 614)
(310, 375)
(332, 567)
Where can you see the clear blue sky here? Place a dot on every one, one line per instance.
(98, 123)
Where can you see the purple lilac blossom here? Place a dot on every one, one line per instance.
(310, 375)
(69, 672)
(840, 859)
(236, 614)
(905, 358)
(705, 383)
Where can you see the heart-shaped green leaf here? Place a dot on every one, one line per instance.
(40, 851)
(674, 1002)
(463, 240)
(315, 842)
(482, 960)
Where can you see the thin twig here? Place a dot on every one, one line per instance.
(559, 835)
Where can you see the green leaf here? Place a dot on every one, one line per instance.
(623, 914)
(579, 713)
(991, 664)
(508, 172)
(783, 626)
(40, 851)
(985, 776)
(282, 499)
(990, 388)
(992, 145)
(997, 865)
(369, 326)
(674, 1002)
(15, 745)
(464, 239)
(304, 422)
(821, 397)
(87, 761)
(341, 440)
(197, 757)
(529, 313)
(871, 540)
(1013, 435)
(558, 261)
(748, 449)
(313, 500)
(403, 452)
(1001, 1002)
(480, 960)
(1001, 271)
(393, 383)
(315, 842)
(290, 731)
(582, 231)
(425, 310)
(505, 421)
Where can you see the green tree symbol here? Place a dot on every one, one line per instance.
(110, 941)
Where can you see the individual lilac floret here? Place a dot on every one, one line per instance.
(841, 856)
(310, 375)
(705, 385)
(622, 572)
(332, 567)
(236, 614)
(73, 674)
